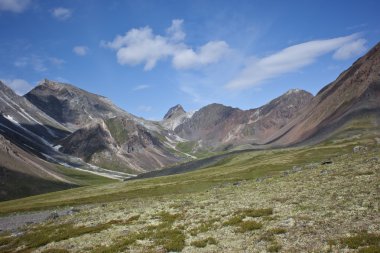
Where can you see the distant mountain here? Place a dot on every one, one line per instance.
(71, 106)
(216, 124)
(175, 117)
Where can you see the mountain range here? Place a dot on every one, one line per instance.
(58, 127)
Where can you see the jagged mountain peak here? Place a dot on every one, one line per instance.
(174, 111)
(57, 86)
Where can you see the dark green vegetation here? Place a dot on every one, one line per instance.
(43, 235)
(364, 241)
(164, 235)
(247, 225)
(190, 147)
(83, 178)
(204, 242)
(117, 130)
(15, 185)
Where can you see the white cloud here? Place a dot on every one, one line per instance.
(16, 6)
(175, 31)
(141, 87)
(20, 86)
(141, 46)
(61, 13)
(209, 53)
(294, 58)
(352, 49)
(80, 50)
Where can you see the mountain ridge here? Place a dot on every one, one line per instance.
(58, 124)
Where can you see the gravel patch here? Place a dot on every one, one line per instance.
(16, 221)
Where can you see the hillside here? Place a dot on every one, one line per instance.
(274, 200)
(353, 94)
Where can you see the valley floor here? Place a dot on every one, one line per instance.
(323, 206)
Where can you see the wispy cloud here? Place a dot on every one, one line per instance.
(35, 62)
(142, 46)
(294, 58)
(80, 50)
(190, 91)
(20, 86)
(351, 49)
(145, 108)
(56, 61)
(356, 27)
(61, 13)
(16, 6)
(38, 63)
(141, 87)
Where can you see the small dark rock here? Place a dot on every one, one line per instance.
(326, 162)
(73, 210)
(311, 166)
(373, 159)
(260, 179)
(236, 183)
(54, 215)
(359, 149)
(285, 173)
(296, 169)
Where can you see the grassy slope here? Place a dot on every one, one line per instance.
(322, 208)
(246, 166)
(83, 178)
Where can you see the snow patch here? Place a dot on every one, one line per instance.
(57, 147)
(15, 122)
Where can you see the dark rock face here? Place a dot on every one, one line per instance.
(86, 141)
(27, 118)
(71, 106)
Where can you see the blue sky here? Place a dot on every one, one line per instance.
(147, 56)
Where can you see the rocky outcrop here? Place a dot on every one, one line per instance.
(118, 144)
